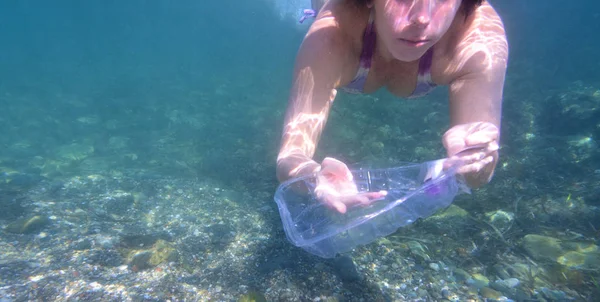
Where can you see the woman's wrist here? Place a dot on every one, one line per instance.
(306, 168)
(295, 167)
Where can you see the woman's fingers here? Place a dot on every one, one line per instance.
(365, 198)
(453, 144)
(373, 196)
(475, 166)
(337, 205)
(461, 137)
(493, 146)
(341, 203)
(336, 188)
(474, 147)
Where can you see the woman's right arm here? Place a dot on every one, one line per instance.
(318, 71)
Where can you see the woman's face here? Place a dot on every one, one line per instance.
(409, 27)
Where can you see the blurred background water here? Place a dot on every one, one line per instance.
(130, 77)
(197, 89)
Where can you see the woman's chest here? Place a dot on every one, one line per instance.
(402, 78)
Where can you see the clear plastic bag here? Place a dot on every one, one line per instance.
(414, 191)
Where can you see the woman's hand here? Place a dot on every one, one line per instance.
(476, 146)
(336, 188)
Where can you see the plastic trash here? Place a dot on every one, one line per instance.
(414, 191)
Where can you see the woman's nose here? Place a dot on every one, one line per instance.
(422, 20)
(421, 13)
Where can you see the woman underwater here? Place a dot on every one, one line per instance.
(408, 47)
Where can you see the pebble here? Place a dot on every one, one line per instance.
(489, 293)
(512, 282)
(555, 295)
(501, 271)
(448, 295)
(445, 293)
(506, 286)
(434, 266)
(478, 281)
(500, 286)
(461, 275)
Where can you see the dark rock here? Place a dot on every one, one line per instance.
(108, 258)
(221, 235)
(119, 203)
(28, 225)
(275, 262)
(84, 244)
(140, 261)
(56, 187)
(142, 240)
(345, 269)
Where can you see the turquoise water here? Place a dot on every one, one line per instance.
(194, 93)
(68, 69)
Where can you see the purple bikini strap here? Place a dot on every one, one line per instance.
(369, 39)
(424, 82)
(364, 63)
(425, 62)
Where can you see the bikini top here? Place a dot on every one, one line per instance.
(424, 82)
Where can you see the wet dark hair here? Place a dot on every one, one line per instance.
(468, 6)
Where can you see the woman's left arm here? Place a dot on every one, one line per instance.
(476, 98)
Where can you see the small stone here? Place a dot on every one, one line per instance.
(478, 281)
(450, 296)
(554, 295)
(512, 282)
(501, 271)
(434, 266)
(252, 297)
(489, 293)
(162, 252)
(501, 286)
(500, 219)
(139, 261)
(461, 275)
(418, 252)
(83, 244)
(522, 295)
(445, 293)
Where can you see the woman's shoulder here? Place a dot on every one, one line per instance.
(343, 19)
(479, 42)
(485, 26)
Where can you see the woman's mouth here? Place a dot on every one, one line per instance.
(414, 42)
